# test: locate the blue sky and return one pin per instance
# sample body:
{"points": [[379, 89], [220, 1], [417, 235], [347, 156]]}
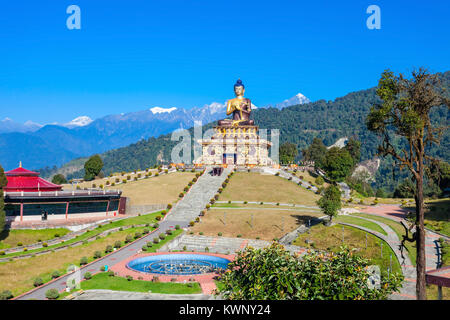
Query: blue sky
{"points": [[132, 55]]}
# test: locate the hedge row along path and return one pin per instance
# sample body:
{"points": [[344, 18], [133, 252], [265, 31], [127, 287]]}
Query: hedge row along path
{"points": [[179, 215]]}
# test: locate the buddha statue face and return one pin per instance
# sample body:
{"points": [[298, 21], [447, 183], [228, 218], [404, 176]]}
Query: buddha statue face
{"points": [[239, 91]]}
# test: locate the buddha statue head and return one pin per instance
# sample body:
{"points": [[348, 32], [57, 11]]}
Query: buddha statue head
{"points": [[239, 88]]}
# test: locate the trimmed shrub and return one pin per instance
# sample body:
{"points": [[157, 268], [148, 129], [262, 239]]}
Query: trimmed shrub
{"points": [[177, 227], [145, 231], [111, 273], [200, 233], [149, 244], [144, 248], [117, 244], [191, 223], [156, 225], [239, 235], [219, 234], [137, 235], [83, 261], [164, 212], [155, 240], [162, 236], [129, 278], [102, 268], [38, 282], [87, 275], [55, 274], [169, 206], [97, 254], [52, 294], [6, 295], [158, 218], [169, 232], [19, 244]]}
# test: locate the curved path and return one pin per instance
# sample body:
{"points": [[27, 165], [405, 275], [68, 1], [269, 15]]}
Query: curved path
{"points": [[179, 215], [432, 249], [409, 271]]}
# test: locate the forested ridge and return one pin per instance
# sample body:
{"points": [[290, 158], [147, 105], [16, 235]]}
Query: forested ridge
{"points": [[299, 124]]}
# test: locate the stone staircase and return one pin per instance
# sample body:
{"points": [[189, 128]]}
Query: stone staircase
{"points": [[188, 208]]}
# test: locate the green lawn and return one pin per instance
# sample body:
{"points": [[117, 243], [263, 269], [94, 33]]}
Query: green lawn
{"points": [[360, 222], [18, 275], [437, 215], [104, 281], [143, 219], [11, 238], [398, 229], [330, 239]]}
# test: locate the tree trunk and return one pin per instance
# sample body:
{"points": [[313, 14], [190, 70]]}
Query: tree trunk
{"points": [[420, 234]]}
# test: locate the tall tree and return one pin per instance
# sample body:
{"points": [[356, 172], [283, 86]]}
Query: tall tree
{"points": [[338, 164], [353, 147], [288, 153], [3, 183], [59, 179], [315, 152], [330, 203], [404, 114], [92, 167]]}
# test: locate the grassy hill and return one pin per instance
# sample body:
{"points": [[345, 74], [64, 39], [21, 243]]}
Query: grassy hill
{"points": [[328, 120]]}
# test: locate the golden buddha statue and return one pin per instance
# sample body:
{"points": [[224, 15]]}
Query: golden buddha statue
{"points": [[240, 107]]}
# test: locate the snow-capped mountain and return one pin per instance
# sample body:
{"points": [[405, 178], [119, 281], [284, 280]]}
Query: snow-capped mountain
{"points": [[78, 122], [297, 99], [8, 125], [55, 143], [156, 110]]}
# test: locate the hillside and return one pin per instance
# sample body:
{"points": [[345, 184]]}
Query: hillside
{"points": [[299, 124]]}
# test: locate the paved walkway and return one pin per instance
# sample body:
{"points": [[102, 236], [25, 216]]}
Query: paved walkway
{"points": [[409, 285], [177, 215], [432, 251], [127, 295], [297, 180]]}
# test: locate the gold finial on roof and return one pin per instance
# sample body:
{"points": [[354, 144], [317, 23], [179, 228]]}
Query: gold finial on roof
{"points": [[20, 164]]}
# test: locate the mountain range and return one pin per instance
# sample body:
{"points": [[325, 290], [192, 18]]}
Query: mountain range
{"points": [[39, 146], [332, 121]]}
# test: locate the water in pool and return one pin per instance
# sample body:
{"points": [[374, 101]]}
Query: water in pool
{"points": [[179, 264]]}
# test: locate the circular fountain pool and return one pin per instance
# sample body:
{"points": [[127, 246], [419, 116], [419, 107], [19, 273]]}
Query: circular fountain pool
{"points": [[179, 264]]}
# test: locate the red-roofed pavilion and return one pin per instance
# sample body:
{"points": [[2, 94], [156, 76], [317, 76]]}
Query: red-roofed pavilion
{"points": [[21, 179]]}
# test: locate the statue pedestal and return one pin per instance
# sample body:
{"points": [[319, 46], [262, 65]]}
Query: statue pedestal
{"points": [[235, 145]]}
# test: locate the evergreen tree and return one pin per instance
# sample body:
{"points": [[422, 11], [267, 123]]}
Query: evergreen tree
{"points": [[330, 203], [315, 152], [92, 167], [353, 147], [338, 164], [59, 179], [288, 153]]}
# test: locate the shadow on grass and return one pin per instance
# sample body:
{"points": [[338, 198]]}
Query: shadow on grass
{"points": [[306, 220]]}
